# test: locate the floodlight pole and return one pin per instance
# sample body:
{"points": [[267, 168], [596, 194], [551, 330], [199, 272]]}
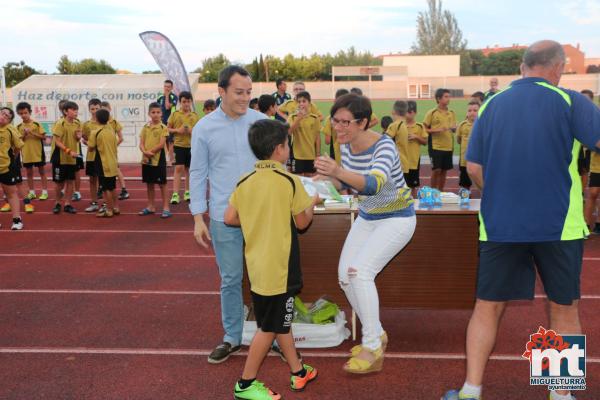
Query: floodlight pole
{"points": [[3, 86]]}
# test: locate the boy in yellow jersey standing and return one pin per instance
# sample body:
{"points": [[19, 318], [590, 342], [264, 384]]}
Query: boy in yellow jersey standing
{"points": [[291, 106], [417, 137], [305, 128], [440, 122], [397, 131], [331, 134], [10, 144], [463, 132], [153, 139], [90, 161], [118, 128], [65, 143], [33, 154], [180, 125], [104, 141], [272, 253]]}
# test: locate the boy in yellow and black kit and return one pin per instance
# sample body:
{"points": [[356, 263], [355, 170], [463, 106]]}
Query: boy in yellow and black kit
{"points": [[399, 132], [180, 124], [65, 150], [305, 128], [463, 132], [90, 160], [10, 144], [270, 193], [33, 154], [104, 142], [417, 137]]}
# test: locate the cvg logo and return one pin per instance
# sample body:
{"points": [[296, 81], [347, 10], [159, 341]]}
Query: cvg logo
{"points": [[130, 112]]}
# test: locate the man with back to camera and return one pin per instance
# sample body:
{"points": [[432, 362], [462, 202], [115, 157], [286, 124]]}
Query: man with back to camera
{"points": [[522, 153]]}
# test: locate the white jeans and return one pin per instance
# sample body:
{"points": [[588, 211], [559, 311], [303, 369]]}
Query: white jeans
{"points": [[370, 245]]}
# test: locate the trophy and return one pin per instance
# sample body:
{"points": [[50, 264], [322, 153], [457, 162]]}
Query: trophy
{"points": [[464, 198]]}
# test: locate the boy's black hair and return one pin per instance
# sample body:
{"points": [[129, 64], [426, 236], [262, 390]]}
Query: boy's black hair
{"points": [[94, 102], [265, 102], [266, 134], [104, 104], [400, 107], [10, 111], [304, 94], [185, 95], [588, 93], [70, 105], [412, 106], [279, 82], [357, 91], [168, 81], [341, 92], [474, 102], [61, 104], [152, 105], [386, 122], [102, 116], [480, 96], [253, 102], [227, 72], [359, 106], [439, 93], [210, 103], [24, 106]]}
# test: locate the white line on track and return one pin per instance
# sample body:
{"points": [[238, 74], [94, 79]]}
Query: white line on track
{"points": [[140, 292], [109, 255], [202, 352], [583, 296]]}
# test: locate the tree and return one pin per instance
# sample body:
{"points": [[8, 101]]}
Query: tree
{"points": [[155, 71], [593, 69], [65, 66], [471, 62], [504, 63], [209, 72], [85, 66], [15, 72], [438, 32]]}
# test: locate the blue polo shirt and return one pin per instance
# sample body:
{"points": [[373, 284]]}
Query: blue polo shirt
{"points": [[527, 139]]}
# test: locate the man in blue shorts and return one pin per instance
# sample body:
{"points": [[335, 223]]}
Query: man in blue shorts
{"points": [[523, 155]]}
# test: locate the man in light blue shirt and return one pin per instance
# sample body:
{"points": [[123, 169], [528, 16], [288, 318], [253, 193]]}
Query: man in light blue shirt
{"points": [[221, 154]]}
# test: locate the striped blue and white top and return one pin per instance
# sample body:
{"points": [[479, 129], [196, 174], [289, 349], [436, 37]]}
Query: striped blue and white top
{"points": [[386, 194]]}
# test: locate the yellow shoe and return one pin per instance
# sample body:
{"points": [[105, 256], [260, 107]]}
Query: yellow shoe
{"points": [[29, 208], [356, 365], [43, 196], [5, 208], [31, 196], [104, 214], [384, 342]]}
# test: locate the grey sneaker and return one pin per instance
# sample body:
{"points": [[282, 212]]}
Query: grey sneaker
{"points": [[92, 208], [222, 352]]}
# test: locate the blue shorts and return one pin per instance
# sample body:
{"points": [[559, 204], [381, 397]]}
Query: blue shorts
{"points": [[507, 271]]}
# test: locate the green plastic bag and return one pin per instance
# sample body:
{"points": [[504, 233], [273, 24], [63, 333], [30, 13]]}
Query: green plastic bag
{"points": [[321, 312]]}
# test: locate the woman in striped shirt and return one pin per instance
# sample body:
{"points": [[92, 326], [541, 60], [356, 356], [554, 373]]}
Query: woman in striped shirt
{"points": [[385, 224]]}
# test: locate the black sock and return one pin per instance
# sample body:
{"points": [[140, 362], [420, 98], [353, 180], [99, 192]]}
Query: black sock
{"points": [[16, 220], [245, 383], [26, 200], [301, 373]]}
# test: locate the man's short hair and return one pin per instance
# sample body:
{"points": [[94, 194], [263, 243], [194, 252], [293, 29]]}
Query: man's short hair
{"points": [[94, 102], [341, 92], [266, 134], [265, 102], [185, 95], [168, 81], [545, 55], [386, 121], [359, 106], [24, 106], [400, 107], [439, 93], [227, 72], [102, 116], [586, 92], [357, 91], [278, 82], [303, 95], [70, 105]]}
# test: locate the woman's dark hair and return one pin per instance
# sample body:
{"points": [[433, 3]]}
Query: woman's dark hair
{"points": [[359, 106], [266, 134]]}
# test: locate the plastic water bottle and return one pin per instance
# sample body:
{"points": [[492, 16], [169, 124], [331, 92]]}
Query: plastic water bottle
{"points": [[465, 198], [425, 199], [437, 198]]}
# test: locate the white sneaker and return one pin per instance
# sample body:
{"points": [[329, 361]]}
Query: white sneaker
{"points": [[17, 226], [92, 208]]}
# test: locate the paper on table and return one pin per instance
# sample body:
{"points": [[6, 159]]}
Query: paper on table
{"points": [[324, 188]]}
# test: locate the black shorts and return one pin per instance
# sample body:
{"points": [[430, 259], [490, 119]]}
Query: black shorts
{"points": [[583, 161], [274, 313], [79, 163], [171, 138], [15, 169], [441, 159], [594, 179], [90, 168], [154, 174], [303, 166], [61, 173], [465, 179], [8, 178], [183, 156], [507, 271], [412, 178], [34, 164], [108, 183]]}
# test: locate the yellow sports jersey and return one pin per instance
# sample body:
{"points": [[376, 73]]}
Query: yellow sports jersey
{"points": [[414, 147], [150, 136], [115, 125], [10, 141], [397, 131], [179, 119], [266, 200], [438, 119], [304, 138], [328, 130], [33, 136], [89, 127], [594, 162], [104, 141], [291, 106], [464, 132], [67, 133]]}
